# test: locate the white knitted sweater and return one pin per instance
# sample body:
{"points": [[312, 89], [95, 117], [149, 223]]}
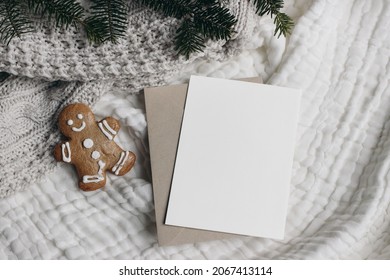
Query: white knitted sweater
{"points": [[144, 56], [31, 99]]}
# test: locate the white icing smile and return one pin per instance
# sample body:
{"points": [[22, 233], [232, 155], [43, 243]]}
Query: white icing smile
{"points": [[78, 129], [81, 127]]}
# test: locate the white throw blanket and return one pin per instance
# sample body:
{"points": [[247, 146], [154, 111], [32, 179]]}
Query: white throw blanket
{"points": [[340, 195]]}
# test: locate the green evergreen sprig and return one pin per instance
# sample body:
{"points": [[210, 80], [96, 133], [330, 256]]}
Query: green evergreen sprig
{"points": [[64, 12], [200, 19], [188, 39], [214, 21], [13, 20], [268, 6], [108, 21], [283, 23]]}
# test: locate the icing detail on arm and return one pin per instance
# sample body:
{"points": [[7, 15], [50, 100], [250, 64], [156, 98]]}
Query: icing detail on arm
{"points": [[95, 178], [118, 166], [78, 129], [66, 158], [118, 162], [123, 162], [105, 132], [108, 127]]}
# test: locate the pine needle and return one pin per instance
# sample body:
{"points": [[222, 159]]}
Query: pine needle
{"points": [[65, 12], [188, 39], [202, 19], [283, 23], [13, 21], [268, 6], [214, 22], [108, 21]]}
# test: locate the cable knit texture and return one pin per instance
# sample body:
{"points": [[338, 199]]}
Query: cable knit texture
{"points": [[28, 114], [144, 57]]}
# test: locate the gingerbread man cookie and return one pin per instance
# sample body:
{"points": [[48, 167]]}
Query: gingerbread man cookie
{"points": [[90, 147]]}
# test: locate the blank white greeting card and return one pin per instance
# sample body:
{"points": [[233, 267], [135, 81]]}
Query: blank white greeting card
{"points": [[234, 159]]}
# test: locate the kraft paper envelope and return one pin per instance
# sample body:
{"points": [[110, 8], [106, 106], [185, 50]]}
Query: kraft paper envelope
{"points": [[164, 112]]}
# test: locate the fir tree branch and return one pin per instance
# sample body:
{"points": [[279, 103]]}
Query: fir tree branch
{"points": [[13, 21], [108, 21], [283, 23], [214, 22], [188, 39], [268, 6], [202, 19], [65, 12]]}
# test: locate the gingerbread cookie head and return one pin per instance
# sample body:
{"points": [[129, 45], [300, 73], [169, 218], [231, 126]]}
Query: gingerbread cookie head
{"points": [[90, 146], [75, 119]]}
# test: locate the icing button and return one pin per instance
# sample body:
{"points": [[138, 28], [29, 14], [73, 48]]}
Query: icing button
{"points": [[88, 143], [95, 155]]}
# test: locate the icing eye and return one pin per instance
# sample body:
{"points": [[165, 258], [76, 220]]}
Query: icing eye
{"points": [[69, 122], [79, 116]]}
